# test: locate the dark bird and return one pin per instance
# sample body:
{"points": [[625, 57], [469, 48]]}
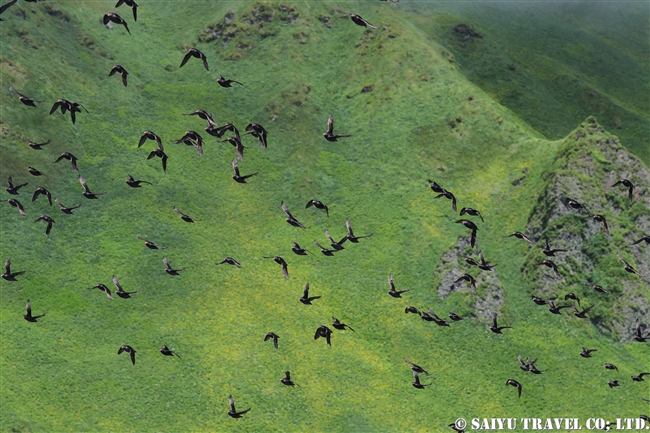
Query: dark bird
{"points": [[230, 261], [361, 22], [351, 237], [516, 384], [65, 105], [70, 157], [640, 378], [193, 52], [637, 333], [148, 135], [411, 309], [325, 251], [13, 189], [325, 332], [626, 183], [573, 296], [435, 186], [494, 328], [49, 222], [581, 314], [340, 326], [601, 219], [533, 368], [203, 115], [455, 317], [438, 320], [336, 245], [318, 205], [280, 261], [523, 365], [611, 367], [237, 177], [597, 288], [16, 203], [226, 83], [8, 275], [394, 293], [416, 381], [290, 219], [103, 288], [551, 264], [184, 217], [286, 380], [169, 269], [416, 368], [470, 225], [118, 69], [35, 172], [556, 309], [29, 316], [150, 244], [306, 299], [613, 383], [135, 183], [167, 351], [538, 301], [119, 291], [627, 267], [128, 349], [469, 279], [6, 6], [258, 132], [329, 134], [298, 250], [194, 139], [115, 18], [86, 192], [44, 192], [272, 336], [574, 204], [219, 131], [519, 235], [130, 3], [24, 99], [484, 265], [239, 147], [548, 251], [66, 210], [587, 353], [233, 412], [34, 145], [472, 212], [160, 153], [426, 317], [449, 196], [644, 238]]}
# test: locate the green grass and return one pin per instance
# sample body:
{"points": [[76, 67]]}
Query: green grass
{"points": [[63, 373]]}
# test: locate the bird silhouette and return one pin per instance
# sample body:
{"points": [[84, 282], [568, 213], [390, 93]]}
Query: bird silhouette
{"points": [[329, 134], [118, 69], [148, 135], [438, 320], [640, 378], [609, 366], [236, 142], [230, 261], [613, 383], [290, 219], [581, 314], [233, 412], [601, 219], [13, 189], [160, 153], [65, 105], [416, 368], [130, 3], [644, 238], [169, 269], [272, 336], [167, 351], [340, 326], [573, 296], [455, 317], [115, 18], [66, 210], [258, 132], [318, 205], [358, 20], [193, 52], [522, 364], [538, 301], [627, 266], [150, 244], [350, 236], [119, 291], [298, 249], [42, 191], [325, 251], [194, 139], [86, 192], [556, 309], [219, 131], [135, 183], [416, 381], [15, 203], [335, 245], [103, 288], [394, 293], [472, 212], [70, 157], [519, 235], [286, 380], [548, 251], [237, 177], [203, 115], [426, 317], [24, 99], [516, 384], [597, 288], [306, 299], [483, 265], [280, 261], [226, 83], [573, 204], [325, 332], [637, 333], [469, 279], [28, 316], [128, 349], [8, 275], [586, 353], [551, 264], [494, 328], [49, 222], [411, 309], [35, 172], [626, 183], [449, 196], [186, 218]]}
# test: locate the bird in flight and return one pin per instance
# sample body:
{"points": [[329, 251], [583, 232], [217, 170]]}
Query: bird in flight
{"points": [[65, 105], [203, 115], [494, 327], [395, 293], [258, 132], [232, 411], [637, 333], [290, 219], [548, 251], [103, 288], [86, 192], [226, 83], [551, 264], [416, 368], [298, 249], [581, 314], [472, 212], [469, 279], [130, 3], [6, 6], [119, 69], [169, 269], [644, 238], [15, 203], [329, 134], [627, 266], [336, 245], [115, 18], [28, 316], [35, 172], [66, 210], [44, 192], [601, 219], [135, 183], [626, 183], [318, 205], [34, 145], [193, 52], [167, 351], [49, 222], [516, 384], [325, 332], [13, 189], [306, 299], [70, 157], [286, 380], [350, 236], [238, 177], [586, 353], [230, 261], [184, 217], [280, 261], [8, 275], [519, 235], [449, 196], [148, 135], [325, 251], [120, 291], [128, 349], [416, 381], [272, 336], [340, 326], [24, 99]]}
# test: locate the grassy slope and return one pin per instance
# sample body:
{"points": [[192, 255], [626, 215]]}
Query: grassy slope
{"points": [[69, 377]]}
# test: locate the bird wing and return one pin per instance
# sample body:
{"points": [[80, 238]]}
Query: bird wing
{"points": [[116, 283], [235, 167], [83, 183], [185, 59], [369, 25], [285, 210], [390, 282], [330, 125], [231, 403], [204, 60], [305, 293], [494, 320], [2, 9], [349, 227], [28, 307], [166, 263], [8, 266]]}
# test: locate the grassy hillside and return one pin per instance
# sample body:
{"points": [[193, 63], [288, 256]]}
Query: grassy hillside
{"points": [[413, 116]]}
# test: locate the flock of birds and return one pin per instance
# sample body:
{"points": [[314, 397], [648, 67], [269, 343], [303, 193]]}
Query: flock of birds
{"points": [[194, 139]]}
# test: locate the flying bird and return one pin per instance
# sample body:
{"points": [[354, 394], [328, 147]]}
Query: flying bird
{"points": [[357, 19], [8, 275], [597, 288], [286, 380], [325, 332], [538, 301], [290, 219], [42, 191], [86, 192], [329, 134], [601, 219], [416, 381], [411, 309], [226, 83], [118, 69], [258, 132], [184, 217], [640, 378], [34, 145], [28, 316], [613, 383], [609, 366], [306, 299], [627, 267], [483, 265], [193, 52], [238, 177], [120, 291], [469, 279], [472, 212], [626, 183], [644, 238], [325, 251], [233, 412], [449, 196], [351, 237], [115, 18], [65, 105], [160, 153], [516, 384], [519, 235], [103, 288], [416, 368], [581, 314], [336, 245], [438, 320], [130, 3], [70, 157], [280, 261], [548, 251], [318, 205], [13, 189], [494, 328], [298, 249], [239, 147], [148, 135], [24, 99], [135, 183], [551, 264], [272, 336], [229, 261], [637, 333], [556, 309], [35, 172], [573, 296], [150, 244], [66, 210], [586, 353], [455, 317], [394, 293], [169, 269], [203, 115], [219, 131], [573, 204], [15, 203], [49, 222], [167, 351], [128, 349], [192, 138], [340, 326]]}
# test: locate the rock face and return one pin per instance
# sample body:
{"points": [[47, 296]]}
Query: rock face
{"points": [[590, 162]]}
